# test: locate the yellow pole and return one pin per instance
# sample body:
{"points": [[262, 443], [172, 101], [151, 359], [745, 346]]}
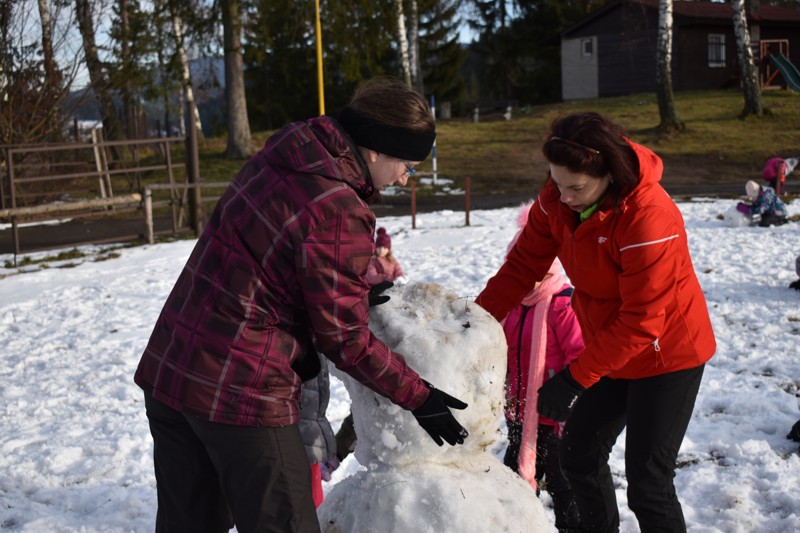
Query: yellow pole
{"points": [[320, 86]]}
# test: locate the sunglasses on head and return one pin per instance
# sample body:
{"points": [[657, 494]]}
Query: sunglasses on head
{"points": [[573, 143]]}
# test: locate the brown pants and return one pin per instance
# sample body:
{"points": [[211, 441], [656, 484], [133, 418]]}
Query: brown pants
{"points": [[211, 476]]}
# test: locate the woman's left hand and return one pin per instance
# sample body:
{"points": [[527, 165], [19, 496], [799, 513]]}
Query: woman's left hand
{"points": [[558, 395]]}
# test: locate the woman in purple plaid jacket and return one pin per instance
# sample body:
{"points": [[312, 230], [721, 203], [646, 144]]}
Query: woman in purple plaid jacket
{"points": [[278, 271]]}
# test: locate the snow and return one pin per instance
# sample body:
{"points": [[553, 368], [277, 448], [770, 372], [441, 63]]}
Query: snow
{"points": [[75, 449]]}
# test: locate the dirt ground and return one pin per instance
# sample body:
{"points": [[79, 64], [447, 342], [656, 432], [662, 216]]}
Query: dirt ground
{"points": [[683, 178]]}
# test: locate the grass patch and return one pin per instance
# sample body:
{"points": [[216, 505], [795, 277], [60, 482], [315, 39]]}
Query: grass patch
{"points": [[505, 156]]}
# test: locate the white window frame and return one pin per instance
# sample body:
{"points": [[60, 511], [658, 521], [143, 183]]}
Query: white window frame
{"points": [[587, 47], [716, 50]]}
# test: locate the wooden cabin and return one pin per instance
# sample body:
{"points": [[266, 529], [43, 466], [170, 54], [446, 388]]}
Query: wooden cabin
{"points": [[613, 50]]}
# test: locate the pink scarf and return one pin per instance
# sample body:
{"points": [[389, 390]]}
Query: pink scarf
{"points": [[539, 299]]}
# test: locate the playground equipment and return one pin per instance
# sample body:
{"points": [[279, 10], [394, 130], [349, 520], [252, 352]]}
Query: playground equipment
{"points": [[790, 73], [775, 65]]}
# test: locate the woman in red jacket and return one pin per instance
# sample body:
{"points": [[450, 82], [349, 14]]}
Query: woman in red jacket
{"points": [[647, 334], [278, 273]]}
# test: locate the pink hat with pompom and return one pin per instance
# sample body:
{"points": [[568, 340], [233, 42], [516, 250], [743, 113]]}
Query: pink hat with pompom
{"points": [[383, 240]]}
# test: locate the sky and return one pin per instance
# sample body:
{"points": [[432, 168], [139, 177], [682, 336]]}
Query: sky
{"points": [[75, 449]]}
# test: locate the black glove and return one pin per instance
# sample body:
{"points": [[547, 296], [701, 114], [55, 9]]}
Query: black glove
{"points": [[375, 296], [435, 417], [558, 395], [795, 285], [794, 434]]}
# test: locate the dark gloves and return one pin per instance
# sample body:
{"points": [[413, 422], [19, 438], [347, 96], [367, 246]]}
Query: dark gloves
{"points": [[435, 417], [558, 395], [795, 285], [794, 434], [375, 296], [743, 208]]}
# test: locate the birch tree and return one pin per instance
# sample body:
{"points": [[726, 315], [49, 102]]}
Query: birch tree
{"points": [[413, 42], [402, 41], [666, 99], [50, 67], [752, 88], [34, 84], [239, 139], [186, 77]]}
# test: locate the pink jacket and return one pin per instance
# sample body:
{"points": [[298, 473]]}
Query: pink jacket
{"points": [[381, 269], [564, 343]]}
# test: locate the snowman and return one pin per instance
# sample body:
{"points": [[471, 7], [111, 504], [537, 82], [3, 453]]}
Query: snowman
{"points": [[407, 482]]}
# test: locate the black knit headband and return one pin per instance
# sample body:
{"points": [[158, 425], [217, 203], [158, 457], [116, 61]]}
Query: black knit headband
{"points": [[401, 143]]}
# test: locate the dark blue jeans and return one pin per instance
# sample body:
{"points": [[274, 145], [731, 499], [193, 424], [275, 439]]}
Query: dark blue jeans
{"points": [[656, 411], [210, 475]]}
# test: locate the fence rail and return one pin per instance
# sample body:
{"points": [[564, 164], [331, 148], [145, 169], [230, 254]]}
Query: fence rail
{"points": [[53, 181]]}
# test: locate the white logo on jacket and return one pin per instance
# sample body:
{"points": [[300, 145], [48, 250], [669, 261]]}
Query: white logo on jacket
{"points": [[601, 240]]}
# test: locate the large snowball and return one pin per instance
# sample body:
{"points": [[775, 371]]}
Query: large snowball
{"points": [[410, 483], [733, 218]]}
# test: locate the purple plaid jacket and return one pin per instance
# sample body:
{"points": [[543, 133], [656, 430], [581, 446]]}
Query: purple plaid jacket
{"points": [[282, 260]]}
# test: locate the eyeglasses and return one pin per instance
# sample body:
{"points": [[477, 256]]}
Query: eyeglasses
{"points": [[573, 143], [409, 169]]}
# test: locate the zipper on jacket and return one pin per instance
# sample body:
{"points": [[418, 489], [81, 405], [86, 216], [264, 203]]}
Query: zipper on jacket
{"points": [[518, 415], [659, 356]]}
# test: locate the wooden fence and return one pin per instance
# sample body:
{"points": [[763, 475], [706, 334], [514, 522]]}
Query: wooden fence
{"points": [[102, 179]]}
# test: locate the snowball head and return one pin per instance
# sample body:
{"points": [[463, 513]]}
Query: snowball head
{"points": [[457, 347], [733, 218]]}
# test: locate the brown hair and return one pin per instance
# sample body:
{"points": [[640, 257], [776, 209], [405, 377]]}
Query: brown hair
{"points": [[391, 102], [589, 143]]}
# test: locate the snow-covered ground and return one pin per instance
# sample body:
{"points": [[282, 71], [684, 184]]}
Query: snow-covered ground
{"points": [[75, 450]]}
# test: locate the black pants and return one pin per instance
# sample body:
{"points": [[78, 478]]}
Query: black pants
{"points": [[771, 219], [548, 468], [210, 476], [656, 411]]}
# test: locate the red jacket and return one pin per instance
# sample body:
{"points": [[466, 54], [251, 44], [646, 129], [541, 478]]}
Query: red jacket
{"points": [[637, 298], [282, 259]]}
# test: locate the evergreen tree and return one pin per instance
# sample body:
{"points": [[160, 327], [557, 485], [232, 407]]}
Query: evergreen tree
{"points": [[441, 53], [357, 36]]}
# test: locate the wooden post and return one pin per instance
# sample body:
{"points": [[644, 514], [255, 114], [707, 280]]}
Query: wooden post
{"points": [[98, 161], [466, 198], [13, 198], [413, 203]]}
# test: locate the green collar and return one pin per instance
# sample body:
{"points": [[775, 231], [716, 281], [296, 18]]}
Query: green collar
{"points": [[589, 211]]}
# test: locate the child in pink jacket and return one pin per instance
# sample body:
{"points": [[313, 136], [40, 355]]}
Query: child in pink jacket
{"points": [[541, 332], [383, 266]]}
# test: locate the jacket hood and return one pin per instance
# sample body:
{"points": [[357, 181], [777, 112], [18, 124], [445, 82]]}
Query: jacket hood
{"points": [[321, 139], [651, 167]]}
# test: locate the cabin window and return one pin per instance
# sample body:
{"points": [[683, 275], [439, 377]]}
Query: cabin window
{"points": [[716, 50], [587, 45]]}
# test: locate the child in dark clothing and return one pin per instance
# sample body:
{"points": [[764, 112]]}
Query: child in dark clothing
{"points": [[765, 203]]}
